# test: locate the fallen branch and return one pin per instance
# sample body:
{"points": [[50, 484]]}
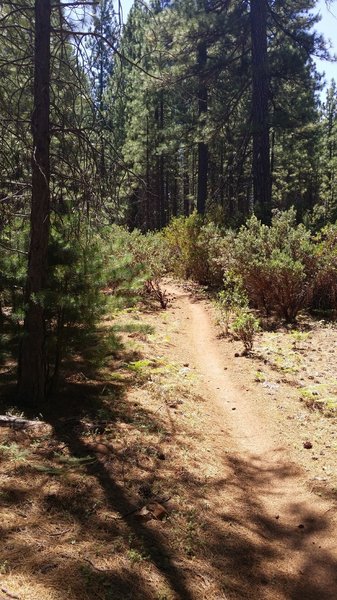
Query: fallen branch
{"points": [[19, 422], [152, 287], [58, 532], [9, 594]]}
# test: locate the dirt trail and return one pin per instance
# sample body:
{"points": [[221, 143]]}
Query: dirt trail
{"points": [[289, 532]]}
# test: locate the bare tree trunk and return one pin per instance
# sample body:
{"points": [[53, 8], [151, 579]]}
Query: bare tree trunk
{"points": [[162, 197], [202, 146], [260, 112], [32, 360]]}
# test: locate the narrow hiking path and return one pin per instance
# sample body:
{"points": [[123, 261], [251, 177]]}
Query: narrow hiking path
{"points": [[289, 534], [167, 470]]}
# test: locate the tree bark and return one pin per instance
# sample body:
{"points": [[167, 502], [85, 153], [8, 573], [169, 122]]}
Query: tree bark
{"points": [[202, 146], [260, 110], [32, 360]]}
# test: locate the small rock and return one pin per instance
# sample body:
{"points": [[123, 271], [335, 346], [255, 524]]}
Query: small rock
{"points": [[270, 385], [237, 355], [184, 370], [161, 456], [307, 445]]}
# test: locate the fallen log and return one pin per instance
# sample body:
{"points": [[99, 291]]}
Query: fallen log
{"points": [[19, 422]]}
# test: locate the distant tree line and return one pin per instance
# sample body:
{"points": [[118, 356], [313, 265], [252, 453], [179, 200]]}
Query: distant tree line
{"points": [[193, 105]]}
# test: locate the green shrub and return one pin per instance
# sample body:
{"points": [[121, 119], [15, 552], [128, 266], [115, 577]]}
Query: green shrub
{"points": [[13, 266], [213, 245], [246, 326], [231, 298], [197, 249], [277, 264], [135, 263], [187, 260], [325, 284], [73, 298]]}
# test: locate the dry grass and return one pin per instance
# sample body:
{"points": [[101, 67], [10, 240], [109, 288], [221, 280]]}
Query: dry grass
{"points": [[128, 430], [71, 494]]}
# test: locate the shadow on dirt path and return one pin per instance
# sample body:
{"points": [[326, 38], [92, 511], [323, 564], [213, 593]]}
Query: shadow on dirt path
{"points": [[253, 529]]}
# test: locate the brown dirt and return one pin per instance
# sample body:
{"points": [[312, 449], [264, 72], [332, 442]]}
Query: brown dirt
{"points": [[245, 511], [272, 499]]}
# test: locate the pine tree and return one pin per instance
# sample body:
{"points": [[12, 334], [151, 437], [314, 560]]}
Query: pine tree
{"points": [[328, 156], [32, 361]]}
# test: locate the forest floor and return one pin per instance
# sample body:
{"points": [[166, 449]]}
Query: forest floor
{"points": [[173, 468]]}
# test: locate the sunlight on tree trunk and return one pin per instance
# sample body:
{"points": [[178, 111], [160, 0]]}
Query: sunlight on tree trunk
{"points": [[32, 363]]}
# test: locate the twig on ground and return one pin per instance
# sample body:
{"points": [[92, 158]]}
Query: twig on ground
{"points": [[93, 565], [9, 594], [59, 532]]}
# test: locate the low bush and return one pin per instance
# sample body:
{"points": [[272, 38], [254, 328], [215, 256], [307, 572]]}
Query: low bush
{"points": [[246, 326], [325, 283], [197, 249], [277, 265], [135, 264], [232, 298]]}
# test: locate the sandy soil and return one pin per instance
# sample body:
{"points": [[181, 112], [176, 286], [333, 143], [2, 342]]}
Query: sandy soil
{"points": [[272, 497]]}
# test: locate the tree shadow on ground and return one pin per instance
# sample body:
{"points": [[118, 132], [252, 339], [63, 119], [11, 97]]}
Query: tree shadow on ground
{"points": [[240, 546], [265, 546], [85, 539]]}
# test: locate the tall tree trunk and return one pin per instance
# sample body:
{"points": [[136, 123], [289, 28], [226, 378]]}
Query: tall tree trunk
{"points": [[161, 198], [174, 193], [260, 114], [186, 191], [202, 146], [148, 217], [32, 360]]}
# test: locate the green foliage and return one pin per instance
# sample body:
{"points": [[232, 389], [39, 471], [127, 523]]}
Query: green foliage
{"points": [[195, 246], [276, 264], [182, 235], [14, 452], [134, 263], [73, 298], [157, 125], [328, 157], [13, 263], [246, 326], [76, 277], [325, 284], [232, 298]]}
